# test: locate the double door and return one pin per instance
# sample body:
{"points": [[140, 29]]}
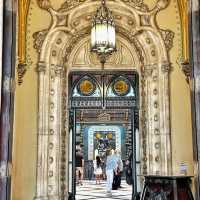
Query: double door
{"points": [[118, 118]]}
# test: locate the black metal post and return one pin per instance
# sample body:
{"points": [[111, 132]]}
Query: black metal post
{"points": [[6, 114], [195, 62], [134, 174], [74, 156]]}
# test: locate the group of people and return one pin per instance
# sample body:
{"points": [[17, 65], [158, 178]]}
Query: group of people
{"points": [[113, 170]]}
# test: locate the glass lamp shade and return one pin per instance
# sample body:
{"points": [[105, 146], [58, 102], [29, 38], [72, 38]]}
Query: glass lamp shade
{"points": [[103, 32]]}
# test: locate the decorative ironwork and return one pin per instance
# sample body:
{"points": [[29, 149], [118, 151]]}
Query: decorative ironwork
{"points": [[104, 90]]}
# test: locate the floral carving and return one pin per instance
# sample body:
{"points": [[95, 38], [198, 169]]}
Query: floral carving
{"points": [[39, 39], [187, 69], [74, 40], [168, 37], [71, 3], [44, 4], [138, 4]]}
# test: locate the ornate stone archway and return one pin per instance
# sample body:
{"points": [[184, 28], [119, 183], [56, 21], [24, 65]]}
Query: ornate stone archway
{"points": [[144, 43]]}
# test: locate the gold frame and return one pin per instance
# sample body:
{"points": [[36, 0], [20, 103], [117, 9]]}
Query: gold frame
{"points": [[23, 8], [184, 17]]}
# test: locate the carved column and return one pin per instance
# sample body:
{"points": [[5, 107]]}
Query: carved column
{"points": [[43, 132], [165, 133], [50, 125], [143, 119], [155, 126], [152, 122], [55, 138]]}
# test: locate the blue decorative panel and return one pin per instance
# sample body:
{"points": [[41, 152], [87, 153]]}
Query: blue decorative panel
{"points": [[97, 135]]}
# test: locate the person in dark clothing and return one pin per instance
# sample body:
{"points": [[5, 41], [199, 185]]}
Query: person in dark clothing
{"points": [[79, 167], [128, 170], [118, 171]]}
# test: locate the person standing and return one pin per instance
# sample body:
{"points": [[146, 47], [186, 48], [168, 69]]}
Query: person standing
{"points": [[118, 171], [128, 169], [111, 166], [97, 169], [79, 167]]}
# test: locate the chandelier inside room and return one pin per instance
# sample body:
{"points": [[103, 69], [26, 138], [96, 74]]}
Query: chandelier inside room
{"points": [[103, 39]]}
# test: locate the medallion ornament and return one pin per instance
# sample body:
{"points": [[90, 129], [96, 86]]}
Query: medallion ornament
{"points": [[121, 87], [86, 87]]}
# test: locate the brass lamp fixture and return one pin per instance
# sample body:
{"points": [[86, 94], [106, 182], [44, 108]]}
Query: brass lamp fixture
{"points": [[103, 39]]}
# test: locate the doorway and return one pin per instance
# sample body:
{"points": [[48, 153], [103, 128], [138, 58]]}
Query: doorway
{"points": [[103, 115]]}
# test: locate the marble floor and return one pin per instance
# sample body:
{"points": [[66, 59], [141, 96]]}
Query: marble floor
{"points": [[90, 191]]}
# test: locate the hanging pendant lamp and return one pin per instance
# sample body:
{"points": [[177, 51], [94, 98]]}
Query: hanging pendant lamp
{"points": [[103, 39]]}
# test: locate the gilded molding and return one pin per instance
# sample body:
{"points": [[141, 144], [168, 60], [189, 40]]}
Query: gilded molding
{"points": [[23, 8], [184, 16]]}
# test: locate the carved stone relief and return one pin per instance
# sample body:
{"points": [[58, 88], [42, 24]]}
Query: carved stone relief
{"points": [[81, 56], [58, 50]]}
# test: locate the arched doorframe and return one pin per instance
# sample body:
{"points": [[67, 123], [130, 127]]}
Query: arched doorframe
{"points": [[149, 46]]}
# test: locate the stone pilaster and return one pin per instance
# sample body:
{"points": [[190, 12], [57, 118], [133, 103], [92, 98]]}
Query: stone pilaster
{"points": [[156, 130], [43, 131], [50, 133], [165, 133]]}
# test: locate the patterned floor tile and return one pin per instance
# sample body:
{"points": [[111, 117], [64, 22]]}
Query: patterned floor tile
{"points": [[90, 191]]}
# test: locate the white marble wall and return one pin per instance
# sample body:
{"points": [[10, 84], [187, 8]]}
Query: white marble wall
{"points": [[1, 34]]}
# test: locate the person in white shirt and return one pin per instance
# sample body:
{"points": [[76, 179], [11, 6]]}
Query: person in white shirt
{"points": [[97, 169], [111, 166]]}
